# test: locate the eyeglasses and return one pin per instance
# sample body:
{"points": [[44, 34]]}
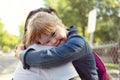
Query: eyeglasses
{"points": [[46, 39]]}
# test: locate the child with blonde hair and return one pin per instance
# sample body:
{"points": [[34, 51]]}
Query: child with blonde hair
{"points": [[38, 26]]}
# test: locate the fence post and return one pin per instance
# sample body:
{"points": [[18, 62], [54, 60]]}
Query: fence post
{"points": [[119, 59]]}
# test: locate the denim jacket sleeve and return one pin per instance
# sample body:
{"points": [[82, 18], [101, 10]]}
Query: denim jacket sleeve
{"points": [[72, 50]]}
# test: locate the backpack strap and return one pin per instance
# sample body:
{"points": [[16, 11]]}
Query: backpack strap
{"points": [[101, 67]]}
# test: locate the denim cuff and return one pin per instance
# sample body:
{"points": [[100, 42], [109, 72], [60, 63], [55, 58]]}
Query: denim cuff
{"points": [[23, 59]]}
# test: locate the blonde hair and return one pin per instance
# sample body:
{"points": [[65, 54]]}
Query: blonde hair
{"points": [[40, 23]]}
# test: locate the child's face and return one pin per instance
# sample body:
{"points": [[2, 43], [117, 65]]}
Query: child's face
{"points": [[58, 36]]}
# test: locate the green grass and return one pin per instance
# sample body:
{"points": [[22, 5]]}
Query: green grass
{"points": [[112, 66]]}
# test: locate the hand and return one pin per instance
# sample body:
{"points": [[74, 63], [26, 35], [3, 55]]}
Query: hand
{"points": [[18, 50]]}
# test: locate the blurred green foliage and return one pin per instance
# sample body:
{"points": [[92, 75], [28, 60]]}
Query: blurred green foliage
{"points": [[21, 31], [112, 66], [7, 41]]}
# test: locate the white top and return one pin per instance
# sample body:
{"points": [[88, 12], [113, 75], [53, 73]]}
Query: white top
{"points": [[64, 72]]}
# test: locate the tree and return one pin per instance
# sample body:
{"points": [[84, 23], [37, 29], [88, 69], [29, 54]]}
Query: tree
{"points": [[7, 41], [21, 30], [1, 31], [108, 28]]}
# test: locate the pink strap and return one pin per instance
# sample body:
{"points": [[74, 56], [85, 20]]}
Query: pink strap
{"points": [[101, 67]]}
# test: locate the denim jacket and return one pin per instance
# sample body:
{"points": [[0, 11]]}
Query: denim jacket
{"points": [[75, 49]]}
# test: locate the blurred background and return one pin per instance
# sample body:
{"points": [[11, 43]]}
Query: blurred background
{"points": [[97, 20]]}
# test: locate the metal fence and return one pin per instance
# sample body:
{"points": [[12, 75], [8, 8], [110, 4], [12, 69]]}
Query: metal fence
{"points": [[110, 54]]}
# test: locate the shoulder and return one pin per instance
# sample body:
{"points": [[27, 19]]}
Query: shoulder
{"points": [[39, 47]]}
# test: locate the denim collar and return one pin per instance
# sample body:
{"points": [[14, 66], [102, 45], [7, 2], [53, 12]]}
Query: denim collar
{"points": [[71, 30]]}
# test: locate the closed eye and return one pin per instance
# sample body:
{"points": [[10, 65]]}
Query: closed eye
{"points": [[53, 34]]}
